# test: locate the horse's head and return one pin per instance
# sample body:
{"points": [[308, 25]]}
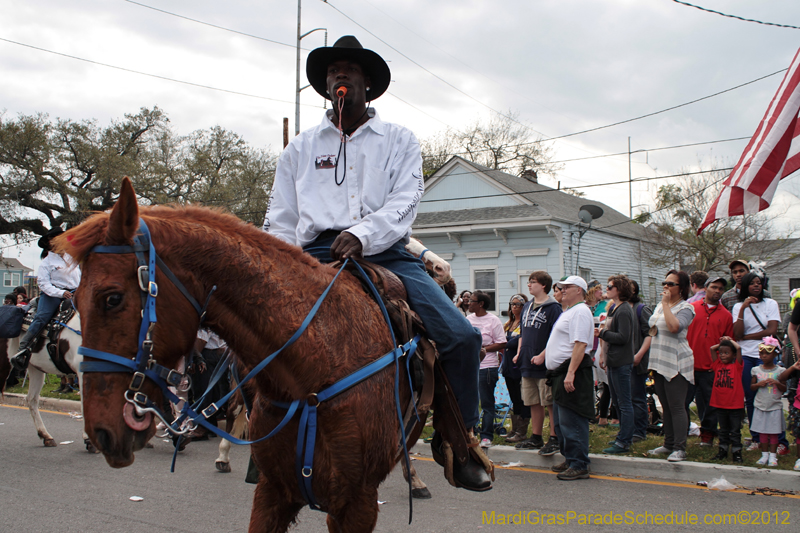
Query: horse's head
{"points": [[109, 300]]}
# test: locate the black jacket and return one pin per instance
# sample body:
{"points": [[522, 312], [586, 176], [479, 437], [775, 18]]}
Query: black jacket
{"points": [[581, 400]]}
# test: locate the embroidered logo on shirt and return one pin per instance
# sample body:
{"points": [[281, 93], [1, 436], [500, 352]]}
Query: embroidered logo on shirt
{"points": [[325, 161]]}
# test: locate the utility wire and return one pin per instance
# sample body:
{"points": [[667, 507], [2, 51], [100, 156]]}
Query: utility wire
{"points": [[211, 25], [737, 17], [673, 204], [639, 150], [634, 180], [450, 84], [153, 75], [431, 73]]}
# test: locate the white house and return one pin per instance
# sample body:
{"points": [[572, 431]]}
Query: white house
{"points": [[496, 228]]}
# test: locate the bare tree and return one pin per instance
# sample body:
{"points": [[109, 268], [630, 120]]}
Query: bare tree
{"points": [[501, 143], [681, 207]]}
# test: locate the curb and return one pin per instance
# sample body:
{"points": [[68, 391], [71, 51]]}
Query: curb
{"points": [[51, 404], [688, 472]]}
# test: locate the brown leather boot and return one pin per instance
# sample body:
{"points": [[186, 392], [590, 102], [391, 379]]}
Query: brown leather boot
{"points": [[519, 429]]}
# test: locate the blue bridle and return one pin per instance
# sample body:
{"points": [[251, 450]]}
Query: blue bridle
{"points": [[144, 366]]}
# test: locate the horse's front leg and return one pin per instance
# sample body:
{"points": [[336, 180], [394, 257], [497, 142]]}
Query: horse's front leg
{"points": [[271, 514], [359, 516], [35, 383]]}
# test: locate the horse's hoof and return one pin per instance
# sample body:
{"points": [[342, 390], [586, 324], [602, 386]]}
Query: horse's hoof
{"points": [[226, 468], [91, 447], [50, 443], [421, 494]]}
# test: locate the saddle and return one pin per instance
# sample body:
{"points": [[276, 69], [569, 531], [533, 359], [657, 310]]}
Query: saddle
{"points": [[51, 333], [430, 387]]}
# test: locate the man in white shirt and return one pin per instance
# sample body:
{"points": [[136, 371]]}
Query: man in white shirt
{"points": [[350, 187], [58, 277], [569, 369]]}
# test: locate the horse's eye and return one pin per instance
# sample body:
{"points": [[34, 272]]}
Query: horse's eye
{"points": [[112, 301]]}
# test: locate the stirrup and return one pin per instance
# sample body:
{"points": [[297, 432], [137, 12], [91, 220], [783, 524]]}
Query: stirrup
{"points": [[21, 359]]}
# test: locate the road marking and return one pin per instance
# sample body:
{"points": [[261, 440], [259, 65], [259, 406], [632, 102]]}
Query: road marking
{"points": [[40, 410], [629, 480]]}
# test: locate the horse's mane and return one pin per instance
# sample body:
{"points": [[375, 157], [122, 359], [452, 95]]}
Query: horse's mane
{"points": [[171, 223]]}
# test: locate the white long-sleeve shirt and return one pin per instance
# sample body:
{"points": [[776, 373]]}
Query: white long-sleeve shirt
{"points": [[377, 202], [57, 274]]}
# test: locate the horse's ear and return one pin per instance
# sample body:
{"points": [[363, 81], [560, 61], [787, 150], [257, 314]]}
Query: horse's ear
{"points": [[124, 219]]}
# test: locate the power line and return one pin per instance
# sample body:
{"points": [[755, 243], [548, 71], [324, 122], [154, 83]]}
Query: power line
{"points": [[431, 73], [157, 76], [640, 150], [736, 17], [211, 25], [445, 81], [680, 200]]}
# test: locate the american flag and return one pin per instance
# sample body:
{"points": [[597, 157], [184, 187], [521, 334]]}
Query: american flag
{"points": [[772, 154]]}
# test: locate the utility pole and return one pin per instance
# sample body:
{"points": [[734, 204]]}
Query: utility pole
{"points": [[630, 181], [300, 37]]}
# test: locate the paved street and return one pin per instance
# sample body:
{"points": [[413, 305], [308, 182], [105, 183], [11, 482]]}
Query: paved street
{"points": [[67, 489]]}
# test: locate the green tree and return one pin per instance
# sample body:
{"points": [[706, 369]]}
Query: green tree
{"points": [[55, 173]]}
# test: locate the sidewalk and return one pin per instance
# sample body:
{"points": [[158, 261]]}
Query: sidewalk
{"points": [[45, 403], [629, 467], [642, 468]]}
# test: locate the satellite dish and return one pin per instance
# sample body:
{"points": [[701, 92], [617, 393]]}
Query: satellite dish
{"points": [[589, 212]]}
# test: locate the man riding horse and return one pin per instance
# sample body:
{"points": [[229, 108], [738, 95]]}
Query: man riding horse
{"points": [[349, 188]]}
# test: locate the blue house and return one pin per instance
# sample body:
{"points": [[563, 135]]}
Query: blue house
{"points": [[14, 274], [495, 229]]}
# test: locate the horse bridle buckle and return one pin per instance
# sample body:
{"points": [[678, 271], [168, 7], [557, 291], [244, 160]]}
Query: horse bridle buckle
{"points": [[137, 381]]}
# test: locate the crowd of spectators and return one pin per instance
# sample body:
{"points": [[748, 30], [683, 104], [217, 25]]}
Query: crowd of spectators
{"points": [[584, 355]]}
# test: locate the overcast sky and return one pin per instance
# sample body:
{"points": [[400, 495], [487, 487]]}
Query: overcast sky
{"points": [[563, 65]]}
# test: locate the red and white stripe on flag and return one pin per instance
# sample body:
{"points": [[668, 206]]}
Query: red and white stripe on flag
{"points": [[772, 154]]}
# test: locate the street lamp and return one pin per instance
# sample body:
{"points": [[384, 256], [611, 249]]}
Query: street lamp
{"points": [[300, 37], [586, 215]]}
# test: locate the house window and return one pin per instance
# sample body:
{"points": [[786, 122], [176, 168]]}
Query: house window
{"points": [[485, 279], [8, 280], [794, 283], [586, 274]]}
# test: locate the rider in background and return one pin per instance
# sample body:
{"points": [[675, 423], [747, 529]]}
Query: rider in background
{"points": [[58, 278]]}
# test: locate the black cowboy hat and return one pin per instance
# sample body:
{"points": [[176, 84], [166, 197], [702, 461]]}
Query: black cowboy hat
{"points": [[347, 48], [44, 241]]}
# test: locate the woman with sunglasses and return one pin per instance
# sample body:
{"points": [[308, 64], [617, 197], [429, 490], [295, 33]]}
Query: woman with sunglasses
{"points": [[673, 361], [511, 372], [754, 318]]}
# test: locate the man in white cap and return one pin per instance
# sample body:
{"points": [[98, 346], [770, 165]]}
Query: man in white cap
{"points": [[349, 188], [569, 368]]}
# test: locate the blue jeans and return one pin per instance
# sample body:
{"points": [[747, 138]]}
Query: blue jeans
{"points": [[641, 415], [458, 343], [46, 309], [701, 391], [573, 437], [620, 380], [487, 381]]}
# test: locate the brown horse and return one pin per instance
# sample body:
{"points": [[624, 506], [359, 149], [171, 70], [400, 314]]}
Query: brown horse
{"points": [[267, 288]]}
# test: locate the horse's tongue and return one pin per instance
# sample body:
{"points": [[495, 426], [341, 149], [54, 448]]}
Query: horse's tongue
{"points": [[136, 423]]}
